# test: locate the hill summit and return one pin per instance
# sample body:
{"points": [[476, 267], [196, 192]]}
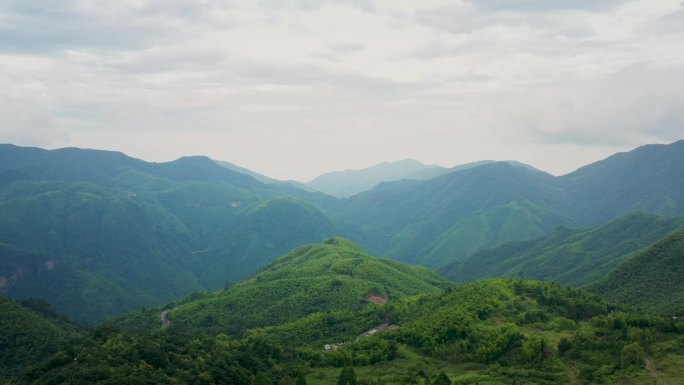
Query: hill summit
{"points": [[332, 275]]}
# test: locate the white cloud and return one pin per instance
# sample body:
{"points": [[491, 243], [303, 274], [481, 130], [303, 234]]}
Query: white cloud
{"points": [[295, 88]]}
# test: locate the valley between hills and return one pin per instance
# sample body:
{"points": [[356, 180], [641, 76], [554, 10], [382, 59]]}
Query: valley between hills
{"points": [[114, 270]]}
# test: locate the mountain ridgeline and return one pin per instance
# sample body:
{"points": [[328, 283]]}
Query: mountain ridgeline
{"points": [[573, 257], [98, 233], [450, 217]]}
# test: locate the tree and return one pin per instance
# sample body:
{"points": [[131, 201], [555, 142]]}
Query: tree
{"points": [[301, 380], [632, 355], [261, 379], [347, 376], [442, 379]]}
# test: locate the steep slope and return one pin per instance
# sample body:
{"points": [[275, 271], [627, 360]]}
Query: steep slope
{"points": [[27, 336], [97, 233], [333, 275], [571, 257], [449, 217], [351, 182], [260, 177], [649, 178], [652, 279], [259, 234]]}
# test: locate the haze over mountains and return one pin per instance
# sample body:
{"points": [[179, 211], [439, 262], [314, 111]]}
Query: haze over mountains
{"points": [[97, 233], [200, 271]]}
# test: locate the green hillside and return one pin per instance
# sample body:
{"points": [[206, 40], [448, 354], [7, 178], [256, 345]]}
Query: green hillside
{"points": [[448, 218], [571, 257], [649, 178], [451, 216], [333, 275], [97, 233], [490, 332], [652, 280], [29, 333]]}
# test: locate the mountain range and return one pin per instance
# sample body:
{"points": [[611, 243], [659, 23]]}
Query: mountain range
{"points": [[98, 233], [329, 312], [573, 257]]}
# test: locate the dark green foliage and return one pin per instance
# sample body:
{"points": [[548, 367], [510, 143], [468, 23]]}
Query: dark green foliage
{"points": [[571, 257], [28, 336], [448, 218], [451, 216], [632, 355], [97, 233], [649, 178], [347, 376], [652, 280], [301, 379], [441, 379]]}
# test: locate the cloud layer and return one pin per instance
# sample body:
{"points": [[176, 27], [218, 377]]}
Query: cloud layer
{"points": [[296, 88]]}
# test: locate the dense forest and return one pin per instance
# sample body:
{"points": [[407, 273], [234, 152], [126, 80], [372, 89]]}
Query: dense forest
{"points": [[98, 233], [196, 272], [493, 332]]}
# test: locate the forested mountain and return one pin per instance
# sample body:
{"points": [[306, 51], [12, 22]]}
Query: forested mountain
{"points": [[30, 332], [346, 183], [97, 233], [333, 275], [652, 280], [448, 218], [570, 256], [490, 332], [649, 178]]}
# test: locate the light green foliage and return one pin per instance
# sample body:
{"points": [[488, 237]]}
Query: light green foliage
{"points": [[334, 275]]}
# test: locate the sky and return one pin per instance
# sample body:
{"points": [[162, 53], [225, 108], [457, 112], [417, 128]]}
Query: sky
{"points": [[292, 89]]}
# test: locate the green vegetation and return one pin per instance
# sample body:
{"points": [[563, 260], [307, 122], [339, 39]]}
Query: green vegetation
{"points": [[331, 276], [570, 257], [29, 334], [97, 233], [449, 218], [490, 332], [652, 280]]}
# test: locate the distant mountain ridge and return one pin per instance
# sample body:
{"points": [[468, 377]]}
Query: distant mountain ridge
{"points": [[448, 218], [344, 184], [573, 257], [96, 233]]}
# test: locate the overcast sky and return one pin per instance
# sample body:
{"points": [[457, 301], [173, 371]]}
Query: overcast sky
{"points": [[292, 89]]}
